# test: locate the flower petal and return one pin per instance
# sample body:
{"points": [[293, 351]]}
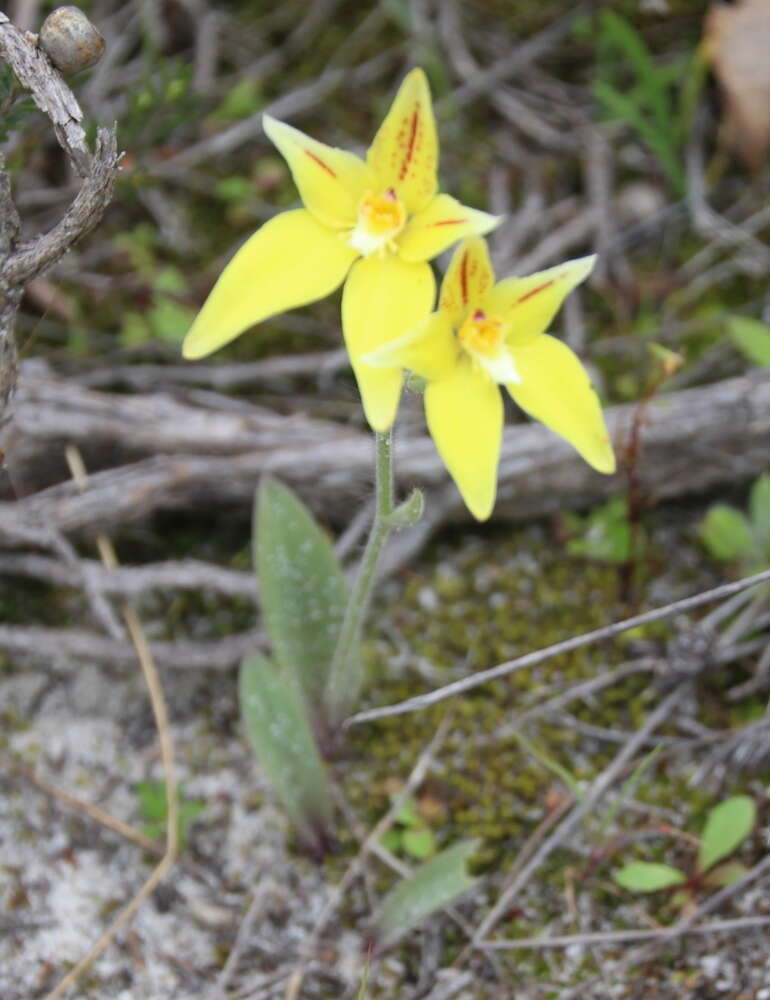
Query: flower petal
{"points": [[555, 390], [465, 419], [468, 278], [331, 181], [439, 225], [429, 350], [384, 298], [404, 153], [530, 303], [290, 261]]}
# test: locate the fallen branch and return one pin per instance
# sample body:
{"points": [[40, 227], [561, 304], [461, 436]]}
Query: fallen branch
{"points": [[207, 459]]}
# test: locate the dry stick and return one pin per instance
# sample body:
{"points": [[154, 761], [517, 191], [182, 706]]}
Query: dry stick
{"points": [[256, 906], [592, 797], [615, 937], [166, 863], [95, 812], [566, 646], [414, 780], [687, 925]]}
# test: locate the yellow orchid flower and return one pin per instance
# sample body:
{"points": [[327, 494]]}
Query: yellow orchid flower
{"points": [[484, 335], [376, 222]]}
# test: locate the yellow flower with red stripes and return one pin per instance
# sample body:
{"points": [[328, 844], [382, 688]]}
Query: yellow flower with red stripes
{"points": [[485, 335], [373, 224]]}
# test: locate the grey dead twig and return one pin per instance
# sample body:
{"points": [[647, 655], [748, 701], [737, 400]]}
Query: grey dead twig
{"points": [[599, 787], [604, 633], [23, 260]]}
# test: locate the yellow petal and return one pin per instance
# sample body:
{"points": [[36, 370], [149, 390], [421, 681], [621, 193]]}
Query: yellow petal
{"points": [[442, 223], [384, 298], [404, 153], [468, 278], [465, 419], [555, 390], [331, 181], [530, 303], [430, 350], [290, 261]]}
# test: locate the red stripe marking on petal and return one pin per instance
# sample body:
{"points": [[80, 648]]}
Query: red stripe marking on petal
{"points": [[446, 222], [534, 291], [410, 143], [464, 278], [320, 162]]}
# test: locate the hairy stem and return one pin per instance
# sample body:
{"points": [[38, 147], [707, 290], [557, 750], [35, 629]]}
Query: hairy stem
{"points": [[345, 673]]}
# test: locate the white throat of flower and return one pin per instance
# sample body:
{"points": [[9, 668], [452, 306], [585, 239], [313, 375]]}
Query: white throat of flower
{"points": [[381, 217], [483, 338]]}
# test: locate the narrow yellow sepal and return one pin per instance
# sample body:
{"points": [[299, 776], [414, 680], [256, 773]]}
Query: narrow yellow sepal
{"points": [[290, 261], [429, 350], [443, 222], [468, 278], [330, 181], [404, 153], [555, 389], [465, 420], [383, 299], [529, 304]]}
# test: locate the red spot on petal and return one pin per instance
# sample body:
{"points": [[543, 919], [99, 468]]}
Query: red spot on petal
{"points": [[479, 315], [535, 291], [410, 143], [320, 162]]}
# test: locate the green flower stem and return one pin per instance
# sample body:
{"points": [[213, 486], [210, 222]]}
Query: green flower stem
{"points": [[345, 672]]}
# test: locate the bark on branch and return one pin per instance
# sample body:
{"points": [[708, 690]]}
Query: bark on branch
{"points": [[171, 455], [22, 261]]}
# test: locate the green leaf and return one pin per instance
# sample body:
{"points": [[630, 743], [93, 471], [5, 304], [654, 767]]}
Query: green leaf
{"points": [[759, 507], [430, 887], [727, 826], [629, 787], [169, 320], [607, 534], [407, 814], [752, 338], [726, 533], [280, 733], [725, 874], [553, 766], [648, 876], [152, 808], [419, 843], [303, 591]]}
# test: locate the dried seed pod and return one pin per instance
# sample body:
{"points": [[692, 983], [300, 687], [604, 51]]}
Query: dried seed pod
{"points": [[70, 41]]}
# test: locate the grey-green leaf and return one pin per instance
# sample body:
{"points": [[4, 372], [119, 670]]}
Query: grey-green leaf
{"points": [[752, 338], [433, 885], [759, 506], [303, 591], [647, 876], [278, 729], [727, 826], [726, 533]]}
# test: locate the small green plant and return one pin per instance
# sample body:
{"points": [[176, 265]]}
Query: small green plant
{"points": [[14, 108], [752, 338], [727, 826], [604, 534], [655, 100], [411, 833], [734, 537], [165, 318], [152, 809], [159, 105]]}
